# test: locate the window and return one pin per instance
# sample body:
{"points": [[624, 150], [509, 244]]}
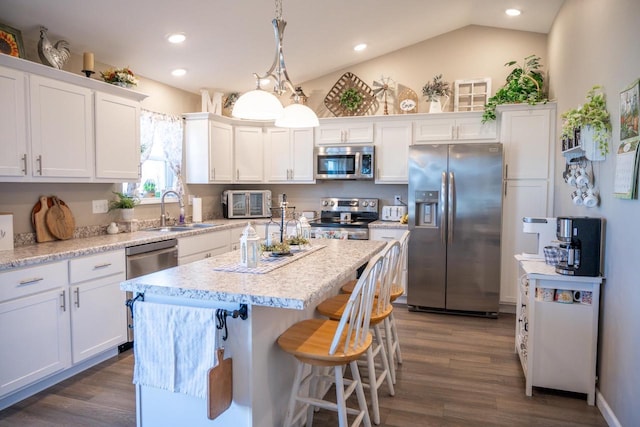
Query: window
{"points": [[160, 156]]}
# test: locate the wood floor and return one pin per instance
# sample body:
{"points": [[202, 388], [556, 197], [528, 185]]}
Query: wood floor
{"points": [[457, 371]]}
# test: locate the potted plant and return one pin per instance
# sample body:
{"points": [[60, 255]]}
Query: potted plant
{"points": [[149, 188], [525, 83], [125, 204], [591, 120], [434, 90]]}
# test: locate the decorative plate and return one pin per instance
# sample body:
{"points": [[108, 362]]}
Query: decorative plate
{"points": [[350, 96]]}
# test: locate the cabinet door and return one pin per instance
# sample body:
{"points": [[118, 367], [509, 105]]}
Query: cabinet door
{"points": [[392, 152], [433, 130], [13, 122], [330, 132], [359, 132], [522, 198], [117, 137], [220, 153], [526, 135], [98, 316], [61, 129], [35, 338], [248, 154], [277, 155], [472, 128], [302, 155]]}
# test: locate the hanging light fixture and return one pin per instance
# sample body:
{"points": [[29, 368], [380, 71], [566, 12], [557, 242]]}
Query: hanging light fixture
{"points": [[259, 104]]}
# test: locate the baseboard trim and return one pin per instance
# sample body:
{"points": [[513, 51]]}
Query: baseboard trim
{"points": [[606, 411]]}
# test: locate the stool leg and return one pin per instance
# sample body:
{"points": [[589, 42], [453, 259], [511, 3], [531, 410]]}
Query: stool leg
{"points": [[294, 394], [388, 336], [313, 391], [362, 401], [340, 400], [396, 339], [373, 389], [385, 361]]}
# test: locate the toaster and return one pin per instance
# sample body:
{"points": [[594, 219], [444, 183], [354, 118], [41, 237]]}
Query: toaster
{"points": [[393, 213]]}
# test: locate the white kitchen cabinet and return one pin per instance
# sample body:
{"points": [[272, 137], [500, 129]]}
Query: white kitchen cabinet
{"points": [[336, 131], [527, 134], [98, 310], [117, 137], [208, 149], [454, 127], [248, 154], [520, 198], [557, 342], [387, 234], [392, 142], [202, 246], [289, 155], [34, 314], [62, 141], [13, 122]]}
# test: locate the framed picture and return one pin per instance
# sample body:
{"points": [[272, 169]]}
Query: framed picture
{"points": [[629, 99], [11, 41]]}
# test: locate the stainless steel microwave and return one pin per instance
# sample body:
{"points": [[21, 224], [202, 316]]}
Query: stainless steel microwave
{"points": [[344, 162], [246, 204]]}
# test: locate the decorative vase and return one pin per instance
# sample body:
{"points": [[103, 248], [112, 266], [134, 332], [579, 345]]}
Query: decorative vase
{"points": [[435, 106], [126, 214], [123, 84]]}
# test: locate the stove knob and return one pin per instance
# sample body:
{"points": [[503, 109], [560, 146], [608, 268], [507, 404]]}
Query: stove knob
{"points": [[333, 203], [372, 203], [325, 203], [365, 204]]}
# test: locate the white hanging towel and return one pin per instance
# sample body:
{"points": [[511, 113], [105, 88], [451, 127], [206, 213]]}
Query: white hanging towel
{"points": [[174, 347]]}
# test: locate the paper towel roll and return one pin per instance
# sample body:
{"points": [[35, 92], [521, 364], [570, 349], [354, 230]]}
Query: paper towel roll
{"points": [[197, 209]]}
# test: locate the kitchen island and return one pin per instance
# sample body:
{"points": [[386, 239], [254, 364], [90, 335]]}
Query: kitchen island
{"points": [[262, 373]]}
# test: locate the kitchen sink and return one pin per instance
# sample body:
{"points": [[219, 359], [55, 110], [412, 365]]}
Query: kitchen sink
{"points": [[184, 227]]}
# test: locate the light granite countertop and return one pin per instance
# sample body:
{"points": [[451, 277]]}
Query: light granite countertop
{"points": [[64, 249], [295, 285], [388, 224]]}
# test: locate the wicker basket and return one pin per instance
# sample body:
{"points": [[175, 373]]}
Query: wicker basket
{"points": [[346, 82]]}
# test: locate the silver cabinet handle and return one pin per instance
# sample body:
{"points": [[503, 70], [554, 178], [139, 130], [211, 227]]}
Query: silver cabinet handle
{"points": [[452, 198], [99, 266], [24, 163], [139, 170], [213, 173], [31, 281], [77, 292], [506, 171], [443, 191], [237, 174], [63, 306], [39, 160]]}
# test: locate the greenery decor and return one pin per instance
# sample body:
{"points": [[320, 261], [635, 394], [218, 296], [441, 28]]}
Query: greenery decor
{"points": [[123, 201], [525, 83], [592, 113], [351, 99], [436, 88], [121, 76], [149, 186]]}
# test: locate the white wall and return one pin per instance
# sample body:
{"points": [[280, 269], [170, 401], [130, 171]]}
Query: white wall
{"points": [[596, 42]]}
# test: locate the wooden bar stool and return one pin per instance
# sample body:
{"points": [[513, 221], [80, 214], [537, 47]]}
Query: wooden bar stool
{"points": [[334, 308], [335, 344], [391, 332]]}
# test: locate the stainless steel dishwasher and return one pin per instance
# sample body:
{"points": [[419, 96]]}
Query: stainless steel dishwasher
{"points": [[145, 259]]}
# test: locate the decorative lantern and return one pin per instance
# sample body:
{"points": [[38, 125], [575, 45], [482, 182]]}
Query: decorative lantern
{"points": [[249, 244], [305, 228]]}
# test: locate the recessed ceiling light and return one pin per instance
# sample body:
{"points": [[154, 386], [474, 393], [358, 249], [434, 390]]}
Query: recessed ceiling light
{"points": [[512, 12], [359, 47], [178, 72], [176, 38]]}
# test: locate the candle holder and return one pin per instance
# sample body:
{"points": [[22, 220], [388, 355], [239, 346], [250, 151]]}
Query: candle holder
{"points": [[88, 72]]}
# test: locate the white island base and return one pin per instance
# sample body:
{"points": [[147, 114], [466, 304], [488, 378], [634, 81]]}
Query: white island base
{"points": [[262, 373]]}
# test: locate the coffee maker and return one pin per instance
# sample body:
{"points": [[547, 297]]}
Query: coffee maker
{"points": [[581, 237]]}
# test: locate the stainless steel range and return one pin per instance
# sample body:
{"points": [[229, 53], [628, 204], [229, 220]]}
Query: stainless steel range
{"points": [[345, 218]]}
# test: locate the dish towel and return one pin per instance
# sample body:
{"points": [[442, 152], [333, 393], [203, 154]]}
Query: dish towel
{"points": [[174, 347]]}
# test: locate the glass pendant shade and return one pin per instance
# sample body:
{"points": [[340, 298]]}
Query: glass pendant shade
{"points": [[257, 105], [297, 116]]}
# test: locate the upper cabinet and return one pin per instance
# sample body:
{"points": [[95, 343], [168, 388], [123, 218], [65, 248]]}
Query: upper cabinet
{"points": [[209, 149], [289, 155], [392, 142], [248, 154], [65, 127], [454, 127], [336, 131]]}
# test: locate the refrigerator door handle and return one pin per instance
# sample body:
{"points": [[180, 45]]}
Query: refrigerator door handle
{"points": [[443, 191], [451, 208]]}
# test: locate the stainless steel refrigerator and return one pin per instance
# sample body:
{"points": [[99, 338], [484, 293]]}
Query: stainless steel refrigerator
{"points": [[455, 216]]}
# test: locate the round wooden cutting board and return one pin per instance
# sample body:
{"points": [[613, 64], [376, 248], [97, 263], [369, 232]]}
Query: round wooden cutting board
{"points": [[59, 219]]}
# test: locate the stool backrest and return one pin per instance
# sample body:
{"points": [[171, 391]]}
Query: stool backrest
{"points": [[357, 313], [391, 256], [402, 261]]}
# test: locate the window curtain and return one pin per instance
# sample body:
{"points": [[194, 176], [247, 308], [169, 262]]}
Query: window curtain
{"points": [[166, 130]]}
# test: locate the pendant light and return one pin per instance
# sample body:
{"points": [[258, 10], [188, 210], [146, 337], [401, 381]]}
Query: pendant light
{"points": [[259, 104]]}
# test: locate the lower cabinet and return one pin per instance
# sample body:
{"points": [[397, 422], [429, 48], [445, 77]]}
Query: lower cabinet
{"points": [[202, 246], [392, 234]]}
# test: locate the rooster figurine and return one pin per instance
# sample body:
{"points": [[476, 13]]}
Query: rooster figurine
{"points": [[50, 54]]}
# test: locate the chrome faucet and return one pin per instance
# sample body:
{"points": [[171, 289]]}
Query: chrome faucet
{"points": [[163, 216]]}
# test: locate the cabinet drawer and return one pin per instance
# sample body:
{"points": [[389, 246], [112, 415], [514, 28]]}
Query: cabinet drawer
{"points": [[31, 280], [202, 243], [96, 266], [386, 233]]}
